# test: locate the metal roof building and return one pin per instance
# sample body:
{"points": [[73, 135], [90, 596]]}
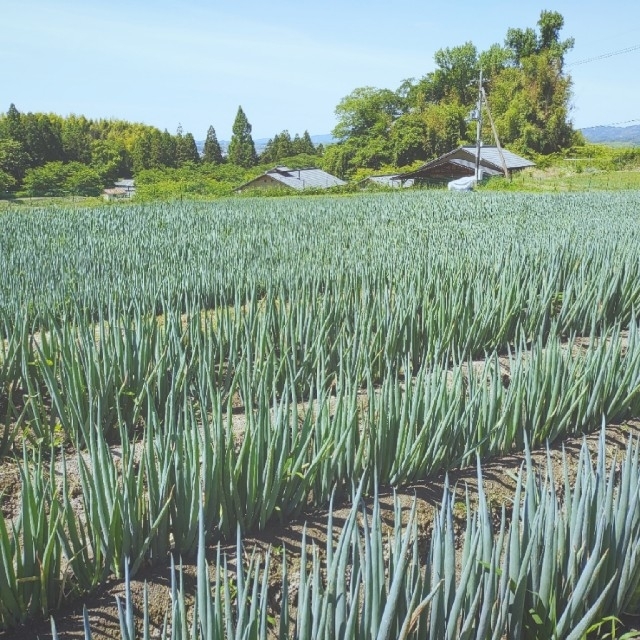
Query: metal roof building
{"points": [[297, 179], [389, 180], [461, 163]]}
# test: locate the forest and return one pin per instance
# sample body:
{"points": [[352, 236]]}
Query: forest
{"points": [[525, 80]]}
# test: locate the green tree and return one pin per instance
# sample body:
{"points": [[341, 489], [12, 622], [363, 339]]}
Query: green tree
{"points": [[446, 127], [367, 111], [7, 182], [13, 159], [109, 159], [212, 152], [337, 159], [531, 98], [11, 125], [242, 150], [166, 155], [409, 139], [76, 139], [523, 43], [42, 138], [82, 180], [47, 180], [365, 118], [141, 152], [303, 144], [186, 149], [531, 106], [279, 147], [453, 79]]}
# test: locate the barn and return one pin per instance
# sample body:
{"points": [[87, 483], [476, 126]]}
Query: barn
{"points": [[297, 179], [461, 163]]}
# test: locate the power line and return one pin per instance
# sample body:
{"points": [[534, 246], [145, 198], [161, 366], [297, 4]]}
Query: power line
{"points": [[604, 55], [612, 124]]}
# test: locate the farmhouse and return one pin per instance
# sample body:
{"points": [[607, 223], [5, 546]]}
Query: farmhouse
{"points": [[461, 163], [297, 179], [123, 188], [114, 194]]}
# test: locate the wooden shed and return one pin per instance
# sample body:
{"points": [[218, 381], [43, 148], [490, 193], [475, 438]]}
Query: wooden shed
{"points": [[461, 162]]}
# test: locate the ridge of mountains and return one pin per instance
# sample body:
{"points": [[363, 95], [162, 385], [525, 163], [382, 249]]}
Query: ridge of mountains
{"points": [[613, 135]]}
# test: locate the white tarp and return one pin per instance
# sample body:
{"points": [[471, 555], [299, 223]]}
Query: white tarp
{"points": [[462, 184]]}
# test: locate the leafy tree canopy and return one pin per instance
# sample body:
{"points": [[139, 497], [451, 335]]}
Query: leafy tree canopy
{"points": [[242, 150], [212, 152], [111, 148]]}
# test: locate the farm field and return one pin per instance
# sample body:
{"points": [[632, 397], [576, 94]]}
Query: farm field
{"points": [[190, 380]]}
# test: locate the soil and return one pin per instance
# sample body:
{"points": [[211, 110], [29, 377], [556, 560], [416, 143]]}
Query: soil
{"points": [[499, 476], [499, 480]]}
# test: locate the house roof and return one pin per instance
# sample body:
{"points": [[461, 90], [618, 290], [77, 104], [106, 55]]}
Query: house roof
{"points": [[388, 180], [299, 179], [125, 183], [463, 159]]}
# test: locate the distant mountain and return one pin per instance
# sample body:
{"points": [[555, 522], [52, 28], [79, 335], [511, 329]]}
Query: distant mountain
{"points": [[613, 135], [324, 139], [260, 143]]}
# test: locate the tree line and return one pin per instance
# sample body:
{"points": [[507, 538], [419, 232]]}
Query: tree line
{"points": [[47, 154], [524, 78]]}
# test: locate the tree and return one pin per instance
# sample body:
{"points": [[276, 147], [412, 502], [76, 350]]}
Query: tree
{"points": [[82, 180], [42, 138], [242, 150], [531, 105], [109, 159], [530, 99], [212, 152], [7, 182], [13, 159], [528, 91], [47, 180], [278, 147], [365, 118], [456, 71], [409, 138], [141, 152], [186, 149], [167, 150], [521, 43], [76, 139], [366, 112], [525, 43], [303, 144], [12, 125]]}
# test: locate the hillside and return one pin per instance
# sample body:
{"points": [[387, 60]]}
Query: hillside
{"points": [[613, 135]]}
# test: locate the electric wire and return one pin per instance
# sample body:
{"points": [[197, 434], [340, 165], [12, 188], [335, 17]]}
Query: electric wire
{"points": [[603, 56]]}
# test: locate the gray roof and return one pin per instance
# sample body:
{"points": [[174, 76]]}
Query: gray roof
{"points": [[300, 179], [389, 180], [492, 155], [465, 157], [125, 183]]}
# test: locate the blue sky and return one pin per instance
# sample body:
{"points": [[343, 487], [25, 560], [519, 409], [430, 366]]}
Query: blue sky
{"points": [[288, 63]]}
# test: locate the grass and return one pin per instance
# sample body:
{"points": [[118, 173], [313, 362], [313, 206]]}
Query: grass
{"points": [[8, 204], [560, 179]]}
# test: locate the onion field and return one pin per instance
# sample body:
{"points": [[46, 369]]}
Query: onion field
{"points": [[176, 377]]}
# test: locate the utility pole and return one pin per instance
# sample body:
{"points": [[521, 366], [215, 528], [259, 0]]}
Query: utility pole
{"points": [[479, 129], [495, 135]]}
